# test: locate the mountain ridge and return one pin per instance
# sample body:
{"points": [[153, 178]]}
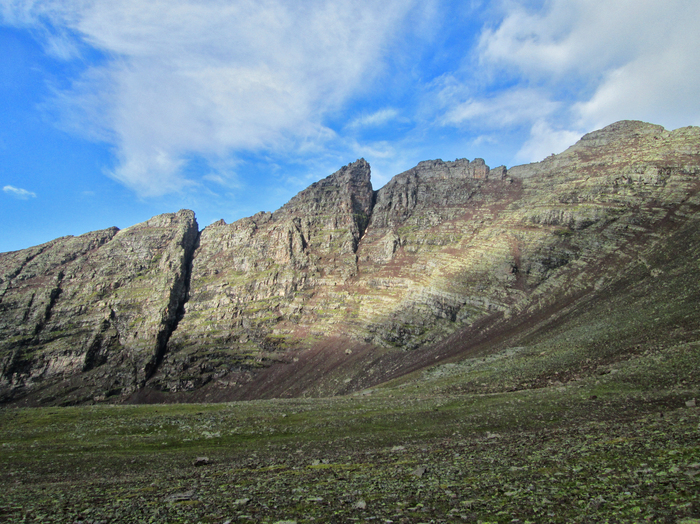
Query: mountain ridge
{"points": [[343, 287]]}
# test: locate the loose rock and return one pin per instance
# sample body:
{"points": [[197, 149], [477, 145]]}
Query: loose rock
{"points": [[201, 461]]}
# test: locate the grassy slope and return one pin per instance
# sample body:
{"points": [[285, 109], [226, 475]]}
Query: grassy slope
{"points": [[545, 455], [582, 418]]}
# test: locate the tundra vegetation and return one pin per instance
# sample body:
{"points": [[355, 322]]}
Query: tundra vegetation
{"points": [[618, 444]]}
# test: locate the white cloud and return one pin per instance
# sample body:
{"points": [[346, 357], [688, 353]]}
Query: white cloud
{"points": [[512, 107], [376, 119], [581, 36], [661, 87], [381, 149], [606, 59], [187, 77], [544, 141], [183, 79], [19, 193]]}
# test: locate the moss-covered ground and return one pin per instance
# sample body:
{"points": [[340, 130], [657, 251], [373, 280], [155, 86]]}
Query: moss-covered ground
{"points": [[618, 447]]}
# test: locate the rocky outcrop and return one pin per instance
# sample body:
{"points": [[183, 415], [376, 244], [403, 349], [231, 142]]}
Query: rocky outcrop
{"points": [[256, 284], [419, 239], [101, 306], [343, 287]]}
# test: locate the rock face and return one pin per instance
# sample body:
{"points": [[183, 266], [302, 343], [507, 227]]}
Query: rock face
{"points": [[343, 287], [254, 282], [100, 307]]}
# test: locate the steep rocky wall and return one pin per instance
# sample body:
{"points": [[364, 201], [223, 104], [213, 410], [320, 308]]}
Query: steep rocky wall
{"points": [[449, 248], [255, 282], [424, 224], [101, 305], [343, 287]]}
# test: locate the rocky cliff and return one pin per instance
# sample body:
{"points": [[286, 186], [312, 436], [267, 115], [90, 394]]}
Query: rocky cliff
{"points": [[98, 308], [344, 287]]}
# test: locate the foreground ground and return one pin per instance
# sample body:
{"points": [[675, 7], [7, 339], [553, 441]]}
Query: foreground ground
{"points": [[621, 444]]}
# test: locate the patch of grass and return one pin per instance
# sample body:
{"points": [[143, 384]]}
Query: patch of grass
{"points": [[551, 454]]}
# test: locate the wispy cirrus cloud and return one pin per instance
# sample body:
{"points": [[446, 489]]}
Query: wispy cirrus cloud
{"points": [[216, 80], [209, 78], [508, 108], [375, 119], [19, 193]]}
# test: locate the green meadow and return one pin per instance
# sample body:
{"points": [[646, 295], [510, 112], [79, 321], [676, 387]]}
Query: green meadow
{"points": [[619, 444]]}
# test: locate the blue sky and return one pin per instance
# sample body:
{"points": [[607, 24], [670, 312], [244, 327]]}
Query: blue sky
{"points": [[112, 112]]}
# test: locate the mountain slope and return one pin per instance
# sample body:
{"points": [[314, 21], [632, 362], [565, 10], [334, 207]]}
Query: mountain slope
{"points": [[344, 288], [97, 309]]}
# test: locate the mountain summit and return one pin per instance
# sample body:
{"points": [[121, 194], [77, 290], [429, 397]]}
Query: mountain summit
{"points": [[345, 287]]}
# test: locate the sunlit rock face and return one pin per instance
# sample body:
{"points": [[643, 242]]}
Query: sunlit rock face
{"points": [[263, 284], [344, 286], [101, 305]]}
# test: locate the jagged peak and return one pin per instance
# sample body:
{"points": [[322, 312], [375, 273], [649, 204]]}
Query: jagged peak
{"points": [[357, 171], [620, 130], [439, 163], [353, 179], [186, 216]]}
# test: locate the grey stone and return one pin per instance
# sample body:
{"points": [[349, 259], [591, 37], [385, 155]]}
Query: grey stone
{"points": [[201, 461]]}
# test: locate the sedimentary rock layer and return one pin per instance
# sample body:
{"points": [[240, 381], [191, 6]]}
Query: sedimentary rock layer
{"points": [[344, 286], [101, 306]]}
